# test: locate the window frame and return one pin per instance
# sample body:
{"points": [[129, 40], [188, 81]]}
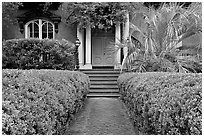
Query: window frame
{"points": [[40, 25]]}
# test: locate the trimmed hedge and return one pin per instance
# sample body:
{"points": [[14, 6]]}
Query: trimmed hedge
{"points": [[163, 103], [38, 54], [41, 101]]}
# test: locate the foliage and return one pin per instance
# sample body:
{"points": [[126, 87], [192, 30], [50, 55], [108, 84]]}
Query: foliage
{"points": [[8, 11], [164, 103], [160, 36], [41, 101], [96, 14], [8, 15], [38, 54]]}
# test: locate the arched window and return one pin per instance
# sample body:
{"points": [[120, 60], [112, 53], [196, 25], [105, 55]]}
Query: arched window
{"points": [[39, 28]]}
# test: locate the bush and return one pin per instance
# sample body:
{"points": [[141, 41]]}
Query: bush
{"points": [[41, 101], [163, 103], [38, 54]]}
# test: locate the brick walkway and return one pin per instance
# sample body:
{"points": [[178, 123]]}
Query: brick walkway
{"points": [[102, 116]]}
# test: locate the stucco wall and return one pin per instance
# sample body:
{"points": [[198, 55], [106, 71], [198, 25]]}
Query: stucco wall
{"points": [[12, 32], [66, 31]]}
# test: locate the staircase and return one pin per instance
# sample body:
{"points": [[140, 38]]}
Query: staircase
{"points": [[103, 82]]}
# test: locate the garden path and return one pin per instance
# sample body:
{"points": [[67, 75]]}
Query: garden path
{"points": [[102, 116]]}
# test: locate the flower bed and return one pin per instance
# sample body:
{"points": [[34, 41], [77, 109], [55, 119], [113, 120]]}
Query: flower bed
{"points": [[41, 101], [163, 103]]}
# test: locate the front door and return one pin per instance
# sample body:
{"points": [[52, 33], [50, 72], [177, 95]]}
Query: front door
{"points": [[100, 42]]}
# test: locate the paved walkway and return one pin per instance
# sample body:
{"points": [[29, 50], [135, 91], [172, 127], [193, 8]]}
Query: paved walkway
{"points": [[102, 116]]}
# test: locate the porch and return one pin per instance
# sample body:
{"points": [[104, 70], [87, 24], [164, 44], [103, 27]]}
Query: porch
{"points": [[94, 42]]}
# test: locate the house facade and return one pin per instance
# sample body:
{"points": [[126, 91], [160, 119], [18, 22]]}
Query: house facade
{"points": [[93, 49]]}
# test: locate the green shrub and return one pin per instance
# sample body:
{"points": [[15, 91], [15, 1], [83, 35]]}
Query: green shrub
{"points": [[41, 101], [38, 54], [163, 103]]}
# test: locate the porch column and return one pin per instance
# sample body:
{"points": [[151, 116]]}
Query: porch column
{"points": [[117, 40], [81, 47], [88, 48], [126, 34]]}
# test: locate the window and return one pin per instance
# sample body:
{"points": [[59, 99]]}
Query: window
{"points": [[39, 28]]}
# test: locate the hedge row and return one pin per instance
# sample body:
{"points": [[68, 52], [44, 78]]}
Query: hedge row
{"points": [[38, 54], [41, 101], [163, 103]]}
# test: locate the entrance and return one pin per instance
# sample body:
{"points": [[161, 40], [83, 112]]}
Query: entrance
{"points": [[101, 39]]}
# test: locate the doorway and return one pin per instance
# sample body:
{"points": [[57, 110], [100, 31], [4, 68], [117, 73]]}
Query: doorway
{"points": [[101, 39]]}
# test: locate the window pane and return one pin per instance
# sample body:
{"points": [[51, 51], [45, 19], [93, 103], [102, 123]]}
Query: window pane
{"points": [[44, 30], [50, 35], [50, 27], [43, 21], [44, 35], [36, 30], [47, 30], [30, 30], [50, 31]]}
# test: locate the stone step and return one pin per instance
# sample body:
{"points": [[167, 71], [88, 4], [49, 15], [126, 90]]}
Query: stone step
{"points": [[91, 95], [104, 90], [103, 82], [103, 86], [101, 72], [103, 78], [103, 75], [87, 70]]}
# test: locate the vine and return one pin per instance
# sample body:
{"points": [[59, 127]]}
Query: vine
{"points": [[102, 15]]}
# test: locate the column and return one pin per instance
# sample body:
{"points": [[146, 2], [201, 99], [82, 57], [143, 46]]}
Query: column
{"points": [[40, 29], [27, 31], [117, 40], [126, 35], [88, 48], [81, 47]]}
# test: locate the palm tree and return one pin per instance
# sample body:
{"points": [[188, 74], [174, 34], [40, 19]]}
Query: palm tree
{"points": [[160, 42]]}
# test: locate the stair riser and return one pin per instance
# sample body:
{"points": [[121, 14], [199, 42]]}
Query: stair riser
{"points": [[103, 95], [102, 89], [103, 79], [103, 92], [103, 83], [107, 93], [92, 88], [111, 77], [102, 72]]}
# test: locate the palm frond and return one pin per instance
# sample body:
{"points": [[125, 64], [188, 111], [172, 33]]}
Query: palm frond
{"points": [[134, 28], [113, 47], [162, 36], [190, 32]]}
